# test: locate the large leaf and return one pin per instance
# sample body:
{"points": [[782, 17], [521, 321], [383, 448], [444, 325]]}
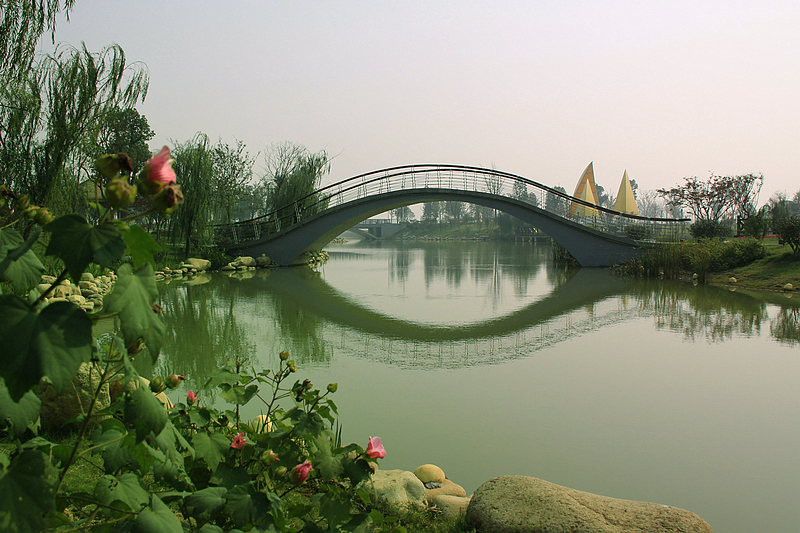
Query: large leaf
{"points": [[19, 415], [127, 488], [132, 297], [145, 412], [18, 264], [247, 506], [238, 394], [203, 504], [212, 448], [51, 343], [78, 243], [27, 493], [158, 519], [328, 466], [139, 244]]}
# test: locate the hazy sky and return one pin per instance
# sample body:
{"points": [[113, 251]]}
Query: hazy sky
{"points": [[662, 89]]}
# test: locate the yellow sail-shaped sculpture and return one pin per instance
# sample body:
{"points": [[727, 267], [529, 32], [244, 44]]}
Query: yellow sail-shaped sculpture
{"points": [[587, 191], [626, 201]]}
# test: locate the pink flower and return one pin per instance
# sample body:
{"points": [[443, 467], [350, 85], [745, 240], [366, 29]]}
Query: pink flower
{"points": [[238, 441], [157, 172], [375, 448], [191, 397], [302, 471]]}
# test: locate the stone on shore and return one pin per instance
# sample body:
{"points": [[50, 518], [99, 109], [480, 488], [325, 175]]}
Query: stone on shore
{"points": [[448, 488], [519, 504], [396, 488], [427, 473], [246, 261], [200, 264], [58, 409], [450, 506]]}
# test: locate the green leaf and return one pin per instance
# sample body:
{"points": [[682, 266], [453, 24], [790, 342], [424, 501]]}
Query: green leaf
{"points": [[212, 448], [51, 343], [238, 394], [204, 503], [132, 297], [27, 493], [145, 412], [116, 453], [247, 506], [230, 477], [158, 519], [326, 464], [334, 510], [78, 243], [19, 415], [128, 489], [139, 244], [18, 264]]}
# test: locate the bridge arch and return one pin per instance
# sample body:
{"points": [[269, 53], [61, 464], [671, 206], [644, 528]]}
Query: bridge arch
{"points": [[312, 222]]}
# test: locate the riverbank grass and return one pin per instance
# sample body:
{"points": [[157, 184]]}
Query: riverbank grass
{"points": [[772, 272]]}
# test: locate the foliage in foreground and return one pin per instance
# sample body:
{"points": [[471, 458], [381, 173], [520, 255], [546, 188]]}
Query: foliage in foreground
{"points": [[193, 466]]}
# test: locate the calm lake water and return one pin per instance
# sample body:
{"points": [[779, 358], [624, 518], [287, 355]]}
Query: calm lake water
{"points": [[485, 359]]}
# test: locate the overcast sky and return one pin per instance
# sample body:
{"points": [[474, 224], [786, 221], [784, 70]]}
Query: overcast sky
{"points": [[662, 89]]}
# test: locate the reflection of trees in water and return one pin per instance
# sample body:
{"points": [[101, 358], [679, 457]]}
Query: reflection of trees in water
{"points": [[786, 326], [706, 312], [202, 331], [399, 265]]}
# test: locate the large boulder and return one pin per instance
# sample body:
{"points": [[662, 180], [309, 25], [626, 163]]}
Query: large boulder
{"points": [[200, 264], [519, 504], [244, 260], [58, 409], [396, 488]]}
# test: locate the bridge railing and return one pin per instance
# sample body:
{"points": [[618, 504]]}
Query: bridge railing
{"points": [[457, 178]]}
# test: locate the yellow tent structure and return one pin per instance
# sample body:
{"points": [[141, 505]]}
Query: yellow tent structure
{"points": [[626, 202], [586, 191]]}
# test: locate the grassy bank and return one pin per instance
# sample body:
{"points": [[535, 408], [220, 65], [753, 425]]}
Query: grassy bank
{"points": [[779, 267]]}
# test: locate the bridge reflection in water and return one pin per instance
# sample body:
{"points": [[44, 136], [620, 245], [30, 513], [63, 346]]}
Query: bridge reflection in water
{"points": [[318, 320]]}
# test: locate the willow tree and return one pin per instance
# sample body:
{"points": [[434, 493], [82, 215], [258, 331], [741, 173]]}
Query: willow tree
{"points": [[22, 24], [293, 176], [49, 120], [195, 169]]}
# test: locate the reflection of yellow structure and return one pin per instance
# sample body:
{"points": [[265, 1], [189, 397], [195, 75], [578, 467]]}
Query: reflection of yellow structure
{"points": [[626, 202], [586, 191]]}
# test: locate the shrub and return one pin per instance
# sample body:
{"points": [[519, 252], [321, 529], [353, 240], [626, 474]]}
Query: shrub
{"points": [[738, 253], [789, 230], [708, 229], [638, 232]]}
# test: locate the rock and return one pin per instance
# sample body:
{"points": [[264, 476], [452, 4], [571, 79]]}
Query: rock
{"points": [[199, 279], [42, 287], [200, 264], [516, 504], [396, 488], [57, 409], [732, 280], [261, 424], [228, 268], [87, 285], [450, 506], [447, 488], [76, 299], [87, 276], [117, 388], [246, 261], [263, 261], [48, 279], [788, 287], [427, 473]]}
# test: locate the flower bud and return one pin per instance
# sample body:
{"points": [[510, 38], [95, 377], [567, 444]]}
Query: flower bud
{"points": [[120, 193], [43, 217], [281, 471], [284, 356], [333, 387], [168, 199], [110, 165], [173, 380], [157, 384], [21, 202], [30, 212]]}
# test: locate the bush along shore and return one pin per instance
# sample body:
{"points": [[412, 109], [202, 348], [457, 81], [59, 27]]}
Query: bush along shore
{"points": [[748, 263]]}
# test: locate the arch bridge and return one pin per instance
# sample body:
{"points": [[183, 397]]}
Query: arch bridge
{"points": [[594, 235]]}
